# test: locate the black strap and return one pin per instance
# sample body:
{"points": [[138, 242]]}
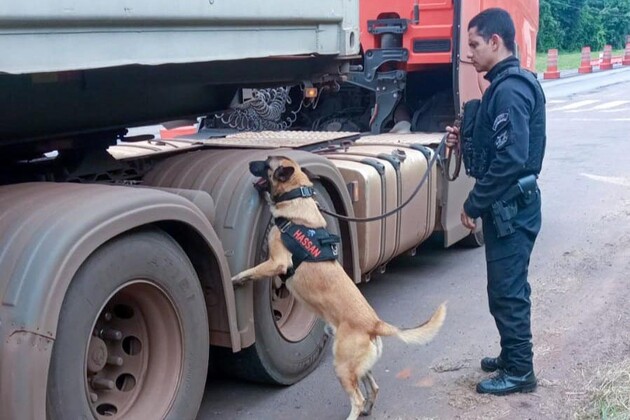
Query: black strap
{"points": [[512, 193], [525, 186], [306, 244], [302, 192], [282, 223], [290, 272]]}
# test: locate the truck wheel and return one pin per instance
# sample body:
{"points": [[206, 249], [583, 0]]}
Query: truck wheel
{"points": [[290, 339], [132, 339]]}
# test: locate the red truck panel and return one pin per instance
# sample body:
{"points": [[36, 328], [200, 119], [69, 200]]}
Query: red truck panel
{"points": [[435, 24]]}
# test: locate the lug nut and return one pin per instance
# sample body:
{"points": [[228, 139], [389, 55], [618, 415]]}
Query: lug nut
{"points": [[100, 383], [93, 397], [110, 334], [115, 360]]}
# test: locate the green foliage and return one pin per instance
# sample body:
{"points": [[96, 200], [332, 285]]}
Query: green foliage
{"points": [[616, 19], [590, 31], [550, 34], [570, 25]]}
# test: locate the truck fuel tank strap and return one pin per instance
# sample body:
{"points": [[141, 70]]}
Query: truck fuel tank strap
{"points": [[425, 177]]}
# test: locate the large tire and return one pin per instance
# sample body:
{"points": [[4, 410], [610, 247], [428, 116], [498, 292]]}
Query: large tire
{"points": [[290, 339], [132, 340]]}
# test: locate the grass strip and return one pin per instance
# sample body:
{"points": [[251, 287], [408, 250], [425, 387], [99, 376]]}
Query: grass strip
{"points": [[609, 392], [568, 60]]}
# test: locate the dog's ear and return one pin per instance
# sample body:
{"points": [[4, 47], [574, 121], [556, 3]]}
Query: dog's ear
{"points": [[283, 173]]}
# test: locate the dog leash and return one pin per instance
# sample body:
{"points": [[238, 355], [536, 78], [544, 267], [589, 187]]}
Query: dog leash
{"points": [[457, 151], [397, 209], [458, 163]]}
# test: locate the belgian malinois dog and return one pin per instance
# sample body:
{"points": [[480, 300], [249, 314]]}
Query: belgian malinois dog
{"points": [[326, 289]]}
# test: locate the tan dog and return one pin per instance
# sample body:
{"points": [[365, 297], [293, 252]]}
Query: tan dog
{"points": [[328, 290]]}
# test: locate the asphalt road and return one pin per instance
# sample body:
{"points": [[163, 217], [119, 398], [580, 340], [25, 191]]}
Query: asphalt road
{"points": [[577, 269]]}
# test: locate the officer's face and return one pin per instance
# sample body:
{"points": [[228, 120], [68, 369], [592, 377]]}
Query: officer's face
{"points": [[482, 54]]}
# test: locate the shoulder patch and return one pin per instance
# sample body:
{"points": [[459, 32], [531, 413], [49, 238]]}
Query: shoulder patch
{"points": [[502, 139], [501, 118]]}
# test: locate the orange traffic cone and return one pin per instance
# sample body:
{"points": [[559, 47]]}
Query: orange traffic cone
{"points": [[552, 65], [606, 63], [585, 65], [626, 55]]}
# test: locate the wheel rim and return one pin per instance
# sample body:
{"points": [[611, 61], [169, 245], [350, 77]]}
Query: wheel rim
{"points": [[134, 357], [293, 318]]}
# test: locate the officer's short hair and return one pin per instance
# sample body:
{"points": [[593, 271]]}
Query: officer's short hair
{"points": [[495, 21]]}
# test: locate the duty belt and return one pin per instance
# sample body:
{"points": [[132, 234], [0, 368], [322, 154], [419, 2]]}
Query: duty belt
{"points": [[524, 188], [504, 209]]}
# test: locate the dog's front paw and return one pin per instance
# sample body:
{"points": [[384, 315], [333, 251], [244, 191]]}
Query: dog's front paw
{"points": [[329, 330], [239, 280]]}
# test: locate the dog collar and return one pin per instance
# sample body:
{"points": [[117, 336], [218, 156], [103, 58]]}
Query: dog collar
{"points": [[302, 192]]}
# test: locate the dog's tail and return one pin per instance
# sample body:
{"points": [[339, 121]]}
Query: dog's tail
{"points": [[419, 335]]}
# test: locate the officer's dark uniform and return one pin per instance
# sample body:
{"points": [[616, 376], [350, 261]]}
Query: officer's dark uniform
{"points": [[509, 132]]}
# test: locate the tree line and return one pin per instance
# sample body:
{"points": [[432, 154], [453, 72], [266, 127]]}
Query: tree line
{"points": [[570, 25]]}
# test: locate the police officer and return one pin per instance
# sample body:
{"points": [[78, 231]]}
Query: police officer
{"points": [[504, 154]]}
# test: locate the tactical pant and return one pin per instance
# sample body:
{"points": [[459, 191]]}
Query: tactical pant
{"points": [[507, 260]]}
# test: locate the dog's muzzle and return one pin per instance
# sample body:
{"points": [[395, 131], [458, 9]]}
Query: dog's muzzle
{"points": [[260, 168]]}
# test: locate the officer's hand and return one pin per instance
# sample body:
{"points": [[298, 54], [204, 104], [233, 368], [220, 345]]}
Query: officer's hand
{"points": [[468, 221], [452, 139]]}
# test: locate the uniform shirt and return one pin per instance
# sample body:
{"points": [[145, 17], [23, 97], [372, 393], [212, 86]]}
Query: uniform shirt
{"points": [[507, 115]]}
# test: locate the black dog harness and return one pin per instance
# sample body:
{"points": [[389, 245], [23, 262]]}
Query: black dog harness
{"points": [[301, 192], [306, 244]]}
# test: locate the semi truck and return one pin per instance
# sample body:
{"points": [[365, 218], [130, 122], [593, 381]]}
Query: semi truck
{"points": [[117, 245]]}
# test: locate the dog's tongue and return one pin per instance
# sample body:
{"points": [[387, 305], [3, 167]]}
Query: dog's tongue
{"points": [[261, 185]]}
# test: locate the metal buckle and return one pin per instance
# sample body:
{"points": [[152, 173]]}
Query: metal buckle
{"points": [[335, 249], [306, 191], [285, 226]]}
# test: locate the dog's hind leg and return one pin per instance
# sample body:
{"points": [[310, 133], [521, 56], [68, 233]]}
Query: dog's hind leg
{"points": [[371, 389], [347, 367], [350, 383]]}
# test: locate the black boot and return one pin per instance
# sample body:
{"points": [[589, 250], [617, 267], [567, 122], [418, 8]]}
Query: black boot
{"points": [[506, 383], [490, 364]]}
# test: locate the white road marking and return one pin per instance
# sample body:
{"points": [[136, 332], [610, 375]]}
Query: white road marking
{"points": [[625, 182], [608, 105], [605, 107], [576, 105]]}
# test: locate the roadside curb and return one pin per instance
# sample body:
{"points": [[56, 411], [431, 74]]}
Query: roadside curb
{"points": [[591, 82], [571, 74]]}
